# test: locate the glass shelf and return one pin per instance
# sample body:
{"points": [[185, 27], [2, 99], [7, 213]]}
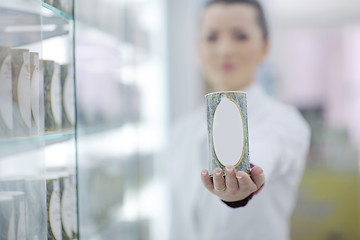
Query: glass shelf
{"points": [[22, 26], [57, 11], [15, 39], [22, 144], [49, 138]]}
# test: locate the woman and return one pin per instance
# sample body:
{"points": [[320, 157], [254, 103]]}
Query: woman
{"points": [[233, 41]]}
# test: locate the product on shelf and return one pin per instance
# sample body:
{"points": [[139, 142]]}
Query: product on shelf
{"points": [[34, 190], [68, 200], [63, 5], [68, 96], [7, 221], [36, 92], [66, 204], [67, 6], [6, 109], [50, 2], [53, 207], [19, 213], [20, 65], [52, 95], [74, 209]]}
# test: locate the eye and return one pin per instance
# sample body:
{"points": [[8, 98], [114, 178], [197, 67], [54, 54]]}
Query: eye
{"points": [[211, 37], [240, 36]]}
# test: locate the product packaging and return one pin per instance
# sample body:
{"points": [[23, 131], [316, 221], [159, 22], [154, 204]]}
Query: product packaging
{"points": [[68, 96], [74, 208], [53, 208], [50, 2], [6, 106], [19, 213], [52, 95], [227, 131], [36, 93], [7, 221], [34, 191], [20, 65]]}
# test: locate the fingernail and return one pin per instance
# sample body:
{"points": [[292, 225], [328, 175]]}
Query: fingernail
{"points": [[239, 177], [203, 172], [229, 169], [218, 173]]}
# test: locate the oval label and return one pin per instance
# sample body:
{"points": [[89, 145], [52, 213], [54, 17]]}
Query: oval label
{"points": [[228, 132]]}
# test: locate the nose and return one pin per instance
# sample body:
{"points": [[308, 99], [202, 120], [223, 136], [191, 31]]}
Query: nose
{"points": [[225, 47]]}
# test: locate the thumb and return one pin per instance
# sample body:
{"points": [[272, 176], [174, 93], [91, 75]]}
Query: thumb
{"points": [[257, 175]]}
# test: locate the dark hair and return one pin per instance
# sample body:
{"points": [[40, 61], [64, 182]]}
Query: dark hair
{"points": [[254, 3]]}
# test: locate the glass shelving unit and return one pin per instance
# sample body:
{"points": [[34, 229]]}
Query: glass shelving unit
{"points": [[102, 157], [37, 108]]}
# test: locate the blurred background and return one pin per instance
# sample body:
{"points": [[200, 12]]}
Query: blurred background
{"points": [[137, 73]]}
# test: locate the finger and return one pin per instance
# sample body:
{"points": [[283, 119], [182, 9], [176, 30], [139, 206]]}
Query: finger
{"points": [[230, 179], [219, 181], [257, 175], [246, 184], [206, 180]]}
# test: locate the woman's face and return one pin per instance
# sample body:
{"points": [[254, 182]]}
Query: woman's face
{"points": [[231, 45]]}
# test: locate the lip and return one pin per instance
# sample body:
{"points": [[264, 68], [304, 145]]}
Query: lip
{"points": [[227, 66]]}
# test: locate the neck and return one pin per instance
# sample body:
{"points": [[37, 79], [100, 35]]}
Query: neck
{"points": [[235, 87]]}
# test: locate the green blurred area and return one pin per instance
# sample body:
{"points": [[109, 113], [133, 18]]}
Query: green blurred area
{"points": [[328, 199], [327, 207]]}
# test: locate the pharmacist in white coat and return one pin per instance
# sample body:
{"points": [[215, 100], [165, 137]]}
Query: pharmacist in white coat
{"points": [[233, 41]]}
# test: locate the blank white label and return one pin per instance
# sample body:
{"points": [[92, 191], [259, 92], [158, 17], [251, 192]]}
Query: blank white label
{"points": [[228, 132]]}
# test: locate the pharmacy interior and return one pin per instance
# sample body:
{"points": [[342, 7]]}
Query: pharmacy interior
{"points": [[89, 91]]}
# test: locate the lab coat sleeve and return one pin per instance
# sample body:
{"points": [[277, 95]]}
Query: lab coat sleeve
{"points": [[280, 143], [176, 170]]}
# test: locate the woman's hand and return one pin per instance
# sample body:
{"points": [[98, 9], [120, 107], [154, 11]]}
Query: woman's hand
{"points": [[235, 186]]}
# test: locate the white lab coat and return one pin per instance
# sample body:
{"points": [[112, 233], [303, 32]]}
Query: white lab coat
{"points": [[279, 140]]}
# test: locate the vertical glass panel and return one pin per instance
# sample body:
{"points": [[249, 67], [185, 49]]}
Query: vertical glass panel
{"points": [[22, 165]]}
